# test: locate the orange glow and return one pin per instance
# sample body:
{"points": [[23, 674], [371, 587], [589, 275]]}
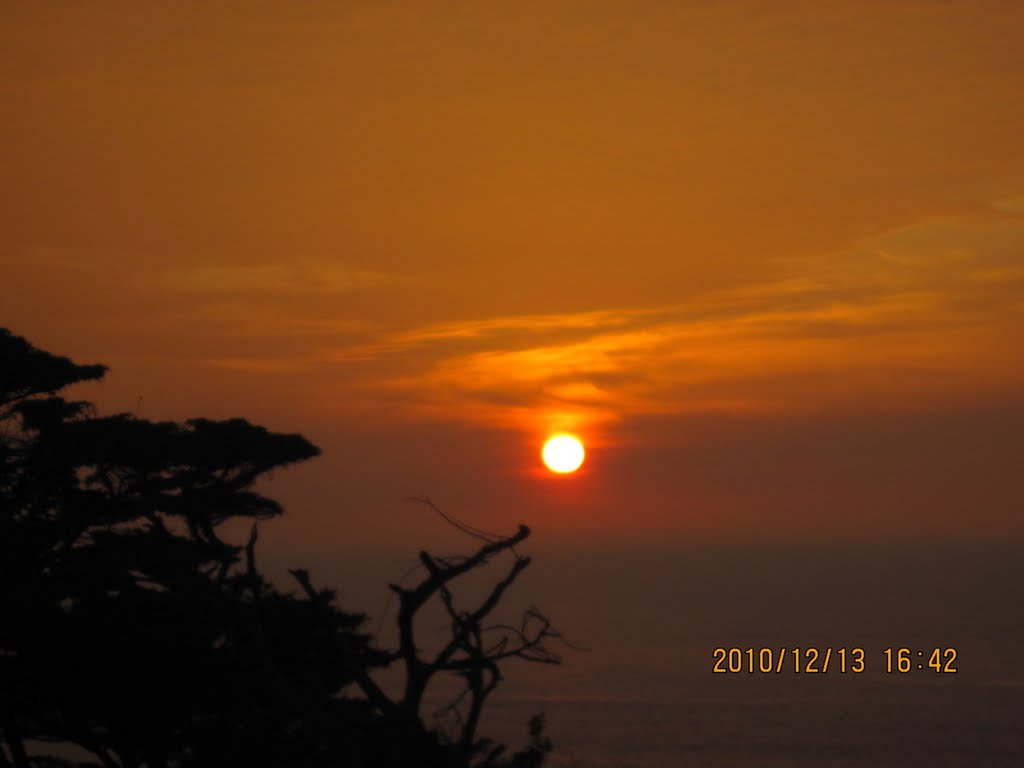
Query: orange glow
{"points": [[720, 249], [563, 454]]}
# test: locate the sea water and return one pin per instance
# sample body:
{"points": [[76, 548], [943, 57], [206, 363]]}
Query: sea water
{"points": [[644, 693]]}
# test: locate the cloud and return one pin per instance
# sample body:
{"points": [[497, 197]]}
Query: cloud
{"points": [[905, 318], [910, 317], [202, 280]]}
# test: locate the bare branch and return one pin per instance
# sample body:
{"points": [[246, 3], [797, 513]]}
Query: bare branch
{"points": [[467, 529]]}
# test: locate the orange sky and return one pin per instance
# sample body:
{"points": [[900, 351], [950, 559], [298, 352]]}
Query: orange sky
{"points": [[768, 259]]}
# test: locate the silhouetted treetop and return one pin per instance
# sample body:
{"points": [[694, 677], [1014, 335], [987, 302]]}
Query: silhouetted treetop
{"points": [[27, 371]]}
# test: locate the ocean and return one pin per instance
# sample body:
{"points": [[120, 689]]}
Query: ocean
{"points": [[638, 690]]}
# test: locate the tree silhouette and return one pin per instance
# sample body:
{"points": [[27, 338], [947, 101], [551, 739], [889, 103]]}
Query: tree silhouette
{"points": [[130, 628]]}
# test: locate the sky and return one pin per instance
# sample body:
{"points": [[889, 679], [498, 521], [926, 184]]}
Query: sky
{"points": [[766, 259]]}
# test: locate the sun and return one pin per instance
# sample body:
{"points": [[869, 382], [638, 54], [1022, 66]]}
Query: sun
{"points": [[563, 453]]}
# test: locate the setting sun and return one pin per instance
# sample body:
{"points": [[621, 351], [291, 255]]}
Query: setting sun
{"points": [[563, 453]]}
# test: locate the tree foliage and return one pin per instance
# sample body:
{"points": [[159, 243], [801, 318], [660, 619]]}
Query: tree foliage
{"points": [[131, 628]]}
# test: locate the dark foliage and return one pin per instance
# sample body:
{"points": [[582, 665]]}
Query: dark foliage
{"points": [[130, 628]]}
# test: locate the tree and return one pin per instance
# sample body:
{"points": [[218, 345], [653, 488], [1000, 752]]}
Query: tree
{"points": [[130, 628]]}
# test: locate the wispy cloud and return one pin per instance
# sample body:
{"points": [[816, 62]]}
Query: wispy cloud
{"points": [[928, 311], [915, 315]]}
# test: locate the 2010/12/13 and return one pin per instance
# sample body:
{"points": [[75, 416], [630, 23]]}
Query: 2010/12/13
{"points": [[810, 660]]}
